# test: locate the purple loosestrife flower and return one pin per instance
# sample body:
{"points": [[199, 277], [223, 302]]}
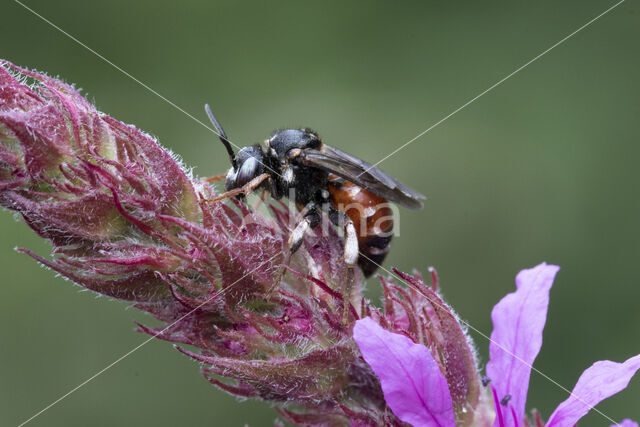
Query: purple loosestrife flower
{"points": [[411, 379], [126, 220], [413, 385], [518, 321]]}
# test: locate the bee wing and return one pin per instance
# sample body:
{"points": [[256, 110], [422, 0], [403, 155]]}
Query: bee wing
{"points": [[363, 174]]}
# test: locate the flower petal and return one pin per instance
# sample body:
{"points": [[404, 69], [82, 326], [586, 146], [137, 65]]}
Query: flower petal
{"points": [[626, 423], [518, 321], [601, 380], [413, 385]]}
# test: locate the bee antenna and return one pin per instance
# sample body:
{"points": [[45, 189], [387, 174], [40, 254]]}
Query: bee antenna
{"points": [[222, 135]]}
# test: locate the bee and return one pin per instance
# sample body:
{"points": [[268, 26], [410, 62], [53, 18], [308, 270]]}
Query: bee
{"points": [[297, 162]]}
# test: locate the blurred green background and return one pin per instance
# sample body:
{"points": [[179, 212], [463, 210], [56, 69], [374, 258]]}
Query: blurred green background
{"points": [[543, 168]]}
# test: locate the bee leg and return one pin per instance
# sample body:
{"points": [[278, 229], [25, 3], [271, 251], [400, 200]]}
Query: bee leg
{"points": [[245, 189], [261, 200], [311, 219], [351, 251], [215, 178]]}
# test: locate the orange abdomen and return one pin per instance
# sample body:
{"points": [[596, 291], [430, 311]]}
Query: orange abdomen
{"points": [[372, 218]]}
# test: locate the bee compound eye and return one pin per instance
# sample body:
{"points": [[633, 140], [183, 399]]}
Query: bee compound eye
{"points": [[250, 169]]}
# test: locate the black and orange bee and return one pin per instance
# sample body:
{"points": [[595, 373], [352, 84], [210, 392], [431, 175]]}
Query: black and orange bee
{"points": [[297, 162]]}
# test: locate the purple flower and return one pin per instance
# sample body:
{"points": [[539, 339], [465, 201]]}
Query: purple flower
{"points": [[414, 387], [518, 320]]}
